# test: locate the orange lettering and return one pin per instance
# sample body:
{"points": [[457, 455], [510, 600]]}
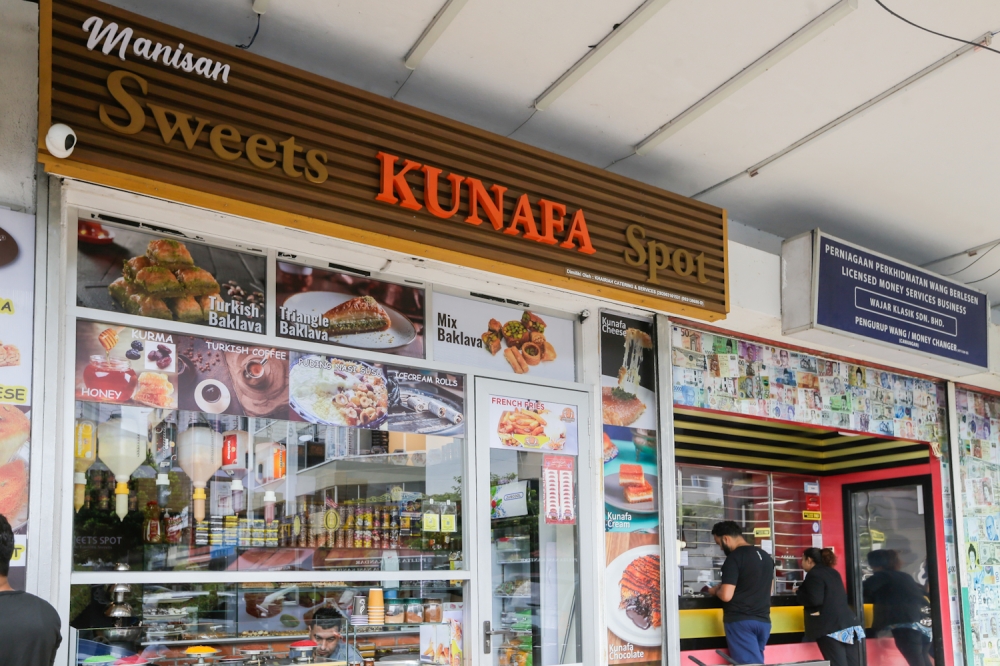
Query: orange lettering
{"points": [[431, 192], [393, 183], [578, 232], [551, 223], [522, 216], [477, 195]]}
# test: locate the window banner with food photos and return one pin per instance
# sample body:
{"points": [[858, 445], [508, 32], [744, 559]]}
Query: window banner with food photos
{"points": [[17, 300], [169, 277], [631, 489], [503, 338], [524, 424], [147, 368], [727, 374], [349, 310]]}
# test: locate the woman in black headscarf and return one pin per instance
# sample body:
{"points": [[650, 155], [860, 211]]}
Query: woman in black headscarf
{"points": [[828, 619]]}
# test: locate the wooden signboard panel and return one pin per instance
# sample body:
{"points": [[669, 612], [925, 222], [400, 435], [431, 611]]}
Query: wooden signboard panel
{"points": [[218, 127]]}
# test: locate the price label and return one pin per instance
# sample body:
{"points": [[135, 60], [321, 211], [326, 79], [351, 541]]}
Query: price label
{"points": [[812, 515], [762, 532]]}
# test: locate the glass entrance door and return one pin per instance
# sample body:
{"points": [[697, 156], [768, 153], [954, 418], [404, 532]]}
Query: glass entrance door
{"points": [[892, 570], [536, 438]]}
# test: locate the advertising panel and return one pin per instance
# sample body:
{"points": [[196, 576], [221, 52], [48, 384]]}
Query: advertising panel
{"points": [[631, 489], [161, 277], [147, 368], [17, 299], [505, 339], [349, 310], [533, 425]]}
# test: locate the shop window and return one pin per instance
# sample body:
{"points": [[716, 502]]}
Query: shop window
{"points": [[769, 507], [266, 621], [182, 490]]}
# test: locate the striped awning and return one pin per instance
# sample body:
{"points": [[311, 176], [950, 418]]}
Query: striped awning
{"points": [[705, 437]]}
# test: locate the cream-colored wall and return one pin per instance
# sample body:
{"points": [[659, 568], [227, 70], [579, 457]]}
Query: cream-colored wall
{"points": [[18, 103]]}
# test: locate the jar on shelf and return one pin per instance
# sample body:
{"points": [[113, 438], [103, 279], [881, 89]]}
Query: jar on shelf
{"points": [[433, 610], [414, 611], [395, 611]]}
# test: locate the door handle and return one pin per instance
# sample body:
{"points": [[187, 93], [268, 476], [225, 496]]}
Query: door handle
{"points": [[488, 635]]}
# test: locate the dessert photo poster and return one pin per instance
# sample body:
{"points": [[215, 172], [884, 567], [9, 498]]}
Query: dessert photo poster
{"points": [[17, 295], [631, 489], [503, 339], [166, 277], [349, 310]]}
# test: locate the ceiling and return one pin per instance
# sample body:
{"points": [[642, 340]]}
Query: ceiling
{"points": [[912, 176]]}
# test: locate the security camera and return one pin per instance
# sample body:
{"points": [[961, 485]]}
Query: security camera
{"points": [[60, 140], [584, 315]]}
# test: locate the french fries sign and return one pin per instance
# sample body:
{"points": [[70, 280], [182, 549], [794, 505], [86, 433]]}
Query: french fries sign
{"points": [[533, 425]]}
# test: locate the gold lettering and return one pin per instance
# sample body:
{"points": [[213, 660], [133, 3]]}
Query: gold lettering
{"points": [[663, 251], [700, 263], [316, 166], [257, 142], [288, 156], [683, 263], [635, 235], [137, 117], [182, 122], [222, 133]]}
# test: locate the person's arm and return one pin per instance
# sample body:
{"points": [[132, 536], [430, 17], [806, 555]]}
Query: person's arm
{"points": [[730, 576], [811, 591]]}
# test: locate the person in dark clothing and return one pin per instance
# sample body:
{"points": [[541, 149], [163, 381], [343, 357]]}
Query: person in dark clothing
{"points": [[897, 601], [29, 626], [828, 619], [745, 592]]}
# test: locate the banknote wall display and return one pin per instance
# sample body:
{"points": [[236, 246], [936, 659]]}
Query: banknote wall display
{"points": [[631, 489], [731, 375], [17, 296], [168, 277], [979, 438]]}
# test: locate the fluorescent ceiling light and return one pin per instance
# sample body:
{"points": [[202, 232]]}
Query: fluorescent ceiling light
{"points": [[748, 74], [432, 32], [595, 55], [985, 40]]}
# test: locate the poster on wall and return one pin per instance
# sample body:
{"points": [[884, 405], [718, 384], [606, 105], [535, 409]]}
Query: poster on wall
{"points": [[505, 339], [522, 424], [146, 368], [349, 310], [161, 277], [727, 374], [631, 489], [17, 300]]}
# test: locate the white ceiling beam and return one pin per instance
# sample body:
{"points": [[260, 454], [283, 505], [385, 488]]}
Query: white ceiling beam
{"points": [[746, 75], [433, 32], [984, 40], [595, 55]]}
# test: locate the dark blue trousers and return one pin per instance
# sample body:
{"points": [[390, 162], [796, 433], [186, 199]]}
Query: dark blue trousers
{"points": [[747, 639]]}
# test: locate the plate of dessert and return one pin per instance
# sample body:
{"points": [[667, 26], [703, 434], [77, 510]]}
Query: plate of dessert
{"points": [[331, 391], [631, 489], [633, 578], [354, 321]]}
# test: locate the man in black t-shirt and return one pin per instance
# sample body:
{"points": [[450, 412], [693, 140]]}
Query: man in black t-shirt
{"points": [[745, 592], [29, 626]]}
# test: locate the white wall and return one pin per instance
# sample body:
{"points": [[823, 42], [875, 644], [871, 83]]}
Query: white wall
{"points": [[18, 103]]}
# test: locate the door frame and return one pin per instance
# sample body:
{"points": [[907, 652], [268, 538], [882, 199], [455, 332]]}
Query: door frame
{"points": [[931, 507], [588, 489]]}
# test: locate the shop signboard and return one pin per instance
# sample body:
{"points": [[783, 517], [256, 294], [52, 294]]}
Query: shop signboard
{"points": [[168, 276], [837, 291], [349, 309], [139, 367], [501, 338], [631, 489], [17, 300], [351, 164]]}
